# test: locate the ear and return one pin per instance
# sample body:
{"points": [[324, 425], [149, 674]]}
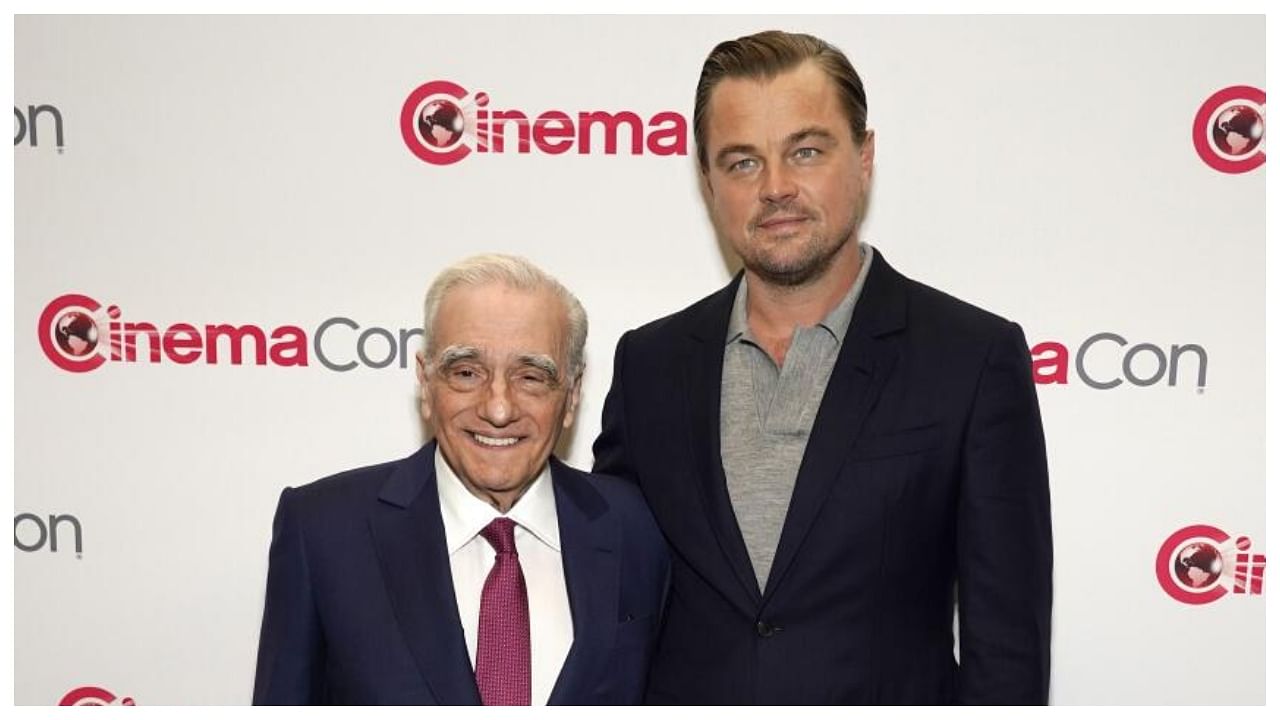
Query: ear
{"points": [[575, 395], [424, 386], [867, 156]]}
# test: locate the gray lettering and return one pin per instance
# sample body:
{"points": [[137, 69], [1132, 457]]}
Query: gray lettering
{"points": [[1177, 351], [319, 348], [405, 336], [20, 133], [32, 547], [391, 348], [33, 114], [1084, 348], [54, 522], [1162, 363]]}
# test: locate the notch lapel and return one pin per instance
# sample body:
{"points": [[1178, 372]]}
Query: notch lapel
{"points": [[704, 370], [408, 533], [867, 359], [589, 547]]}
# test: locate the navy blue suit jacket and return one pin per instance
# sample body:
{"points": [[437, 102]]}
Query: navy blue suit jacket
{"points": [[923, 484], [360, 607]]}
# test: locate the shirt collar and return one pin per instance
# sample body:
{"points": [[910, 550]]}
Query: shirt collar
{"points": [[465, 515], [836, 322]]}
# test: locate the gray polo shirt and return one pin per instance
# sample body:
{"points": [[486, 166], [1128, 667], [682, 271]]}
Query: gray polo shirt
{"points": [[766, 414]]}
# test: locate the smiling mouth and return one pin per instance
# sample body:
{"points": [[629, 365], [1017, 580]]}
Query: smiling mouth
{"points": [[494, 442]]}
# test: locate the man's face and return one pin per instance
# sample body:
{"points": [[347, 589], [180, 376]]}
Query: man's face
{"points": [[787, 181], [497, 389]]}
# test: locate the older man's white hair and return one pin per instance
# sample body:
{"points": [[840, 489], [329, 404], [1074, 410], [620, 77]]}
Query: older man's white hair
{"points": [[514, 272]]}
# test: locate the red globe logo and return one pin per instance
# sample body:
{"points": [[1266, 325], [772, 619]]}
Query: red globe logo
{"points": [[441, 123], [1237, 130], [433, 122], [76, 334], [1198, 565], [1229, 130]]}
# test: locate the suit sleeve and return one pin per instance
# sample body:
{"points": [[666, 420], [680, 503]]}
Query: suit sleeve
{"points": [[1004, 537], [291, 645], [610, 448]]}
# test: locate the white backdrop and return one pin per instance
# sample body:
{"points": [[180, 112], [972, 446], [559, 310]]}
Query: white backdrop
{"points": [[251, 171]]}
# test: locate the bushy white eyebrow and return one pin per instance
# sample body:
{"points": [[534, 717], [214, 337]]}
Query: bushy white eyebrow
{"points": [[460, 353], [541, 362], [455, 354]]}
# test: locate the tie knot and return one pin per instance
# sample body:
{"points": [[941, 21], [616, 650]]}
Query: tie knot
{"points": [[501, 534]]}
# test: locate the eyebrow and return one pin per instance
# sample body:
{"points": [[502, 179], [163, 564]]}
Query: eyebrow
{"points": [[456, 354], [459, 353], [541, 362], [815, 131], [728, 150], [812, 132]]}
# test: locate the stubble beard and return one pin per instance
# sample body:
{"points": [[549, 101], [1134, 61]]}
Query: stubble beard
{"points": [[812, 263]]}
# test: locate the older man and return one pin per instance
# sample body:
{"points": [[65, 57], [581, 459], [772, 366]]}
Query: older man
{"points": [[480, 569], [837, 454]]}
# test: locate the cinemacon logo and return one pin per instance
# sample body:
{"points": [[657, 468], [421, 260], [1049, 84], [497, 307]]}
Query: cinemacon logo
{"points": [[79, 334], [1199, 564], [93, 695], [1107, 360], [442, 122], [1229, 131]]}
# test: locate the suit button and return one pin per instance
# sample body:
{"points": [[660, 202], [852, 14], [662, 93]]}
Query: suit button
{"points": [[764, 629]]}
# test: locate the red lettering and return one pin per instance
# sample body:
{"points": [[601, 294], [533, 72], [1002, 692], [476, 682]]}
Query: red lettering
{"points": [[182, 343], [293, 340], [610, 123], [553, 132], [498, 132], [1049, 363], [237, 336], [131, 331], [677, 135]]}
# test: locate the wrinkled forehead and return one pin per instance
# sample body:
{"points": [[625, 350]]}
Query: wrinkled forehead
{"points": [[499, 322]]}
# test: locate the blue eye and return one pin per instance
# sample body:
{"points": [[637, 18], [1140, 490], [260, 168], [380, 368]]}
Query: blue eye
{"points": [[743, 165], [807, 153]]}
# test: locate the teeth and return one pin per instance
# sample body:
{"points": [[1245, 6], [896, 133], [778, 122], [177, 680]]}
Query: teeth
{"points": [[494, 442]]}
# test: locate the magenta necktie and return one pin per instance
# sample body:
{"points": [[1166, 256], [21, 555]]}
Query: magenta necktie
{"points": [[503, 657]]}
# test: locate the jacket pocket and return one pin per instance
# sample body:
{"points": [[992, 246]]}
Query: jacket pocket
{"points": [[902, 442]]}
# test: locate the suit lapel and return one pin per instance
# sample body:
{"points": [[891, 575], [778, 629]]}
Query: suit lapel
{"points": [[867, 359], [589, 547], [703, 373], [408, 533]]}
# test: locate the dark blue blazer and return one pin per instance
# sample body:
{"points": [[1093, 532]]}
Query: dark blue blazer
{"points": [[360, 607], [923, 484]]}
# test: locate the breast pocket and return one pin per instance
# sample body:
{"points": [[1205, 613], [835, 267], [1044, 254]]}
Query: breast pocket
{"points": [[911, 441]]}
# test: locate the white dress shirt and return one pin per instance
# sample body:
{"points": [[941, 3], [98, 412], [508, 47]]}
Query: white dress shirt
{"points": [[537, 535]]}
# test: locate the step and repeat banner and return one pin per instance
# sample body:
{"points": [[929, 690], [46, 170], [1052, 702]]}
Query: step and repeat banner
{"points": [[224, 228]]}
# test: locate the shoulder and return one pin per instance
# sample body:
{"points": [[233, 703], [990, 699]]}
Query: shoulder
{"points": [[939, 315], [344, 493], [621, 500], [691, 319], [939, 311]]}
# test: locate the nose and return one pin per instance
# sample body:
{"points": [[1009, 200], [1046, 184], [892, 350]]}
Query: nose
{"points": [[497, 407], [776, 184]]}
